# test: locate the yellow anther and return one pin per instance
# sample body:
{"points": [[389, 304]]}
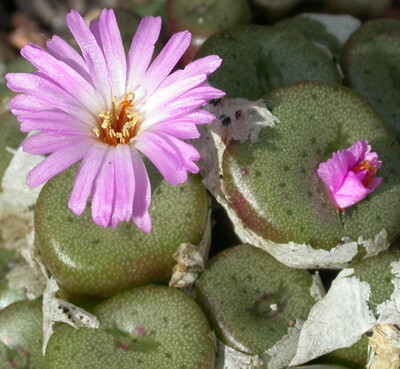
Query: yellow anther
{"points": [[119, 125], [96, 132]]}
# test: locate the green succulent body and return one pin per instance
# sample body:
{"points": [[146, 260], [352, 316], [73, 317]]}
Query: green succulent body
{"points": [[259, 59], [371, 65], [21, 332], [144, 328], [273, 185], [98, 262], [251, 299]]}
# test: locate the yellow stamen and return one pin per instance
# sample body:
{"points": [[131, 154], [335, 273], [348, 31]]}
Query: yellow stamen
{"points": [[371, 172], [121, 124]]}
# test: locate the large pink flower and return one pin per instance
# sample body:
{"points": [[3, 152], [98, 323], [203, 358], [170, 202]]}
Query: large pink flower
{"points": [[106, 109], [351, 174]]}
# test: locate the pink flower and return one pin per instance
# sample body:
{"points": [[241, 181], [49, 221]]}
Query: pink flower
{"points": [[351, 174], [105, 109]]}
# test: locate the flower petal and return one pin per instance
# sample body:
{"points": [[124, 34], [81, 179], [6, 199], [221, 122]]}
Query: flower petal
{"points": [[206, 65], [178, 108], [41, 86], [44, 143], [357, 153], [163, 156], [165, 95], [25, 104], [334, 170], [104, 191], [58, 161], [70, 80], [92, 54], [375, 184], [201, 117], [165, 62], [142, 199], [182, 129], [113, 50], [187, 153], [62, 50], [124, 185], [141, 51], [53, 121], [87, 173], [350, 192]]}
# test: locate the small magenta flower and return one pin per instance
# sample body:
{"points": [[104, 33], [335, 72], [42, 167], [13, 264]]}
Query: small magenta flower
{"points": [[105, 109], [351, 174]]}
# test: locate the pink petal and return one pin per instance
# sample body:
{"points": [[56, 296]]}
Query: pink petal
{"points": [[165, 95], [124, 185], [334, 170], [45, 143], [71, 80], [204, 92], [178, 108], [39, 85], [25, 104], [375, 184], [104, 191], [58, 161], [114, 52], [55, 121], [350, 192], [182, 129], [163, 156], [372, 157], [187, 152], [92, 54], [95, 29], [206, 65], [201, 117], [87, 173], [357, 154], [141, 51], [165, 61], [142, 199], [62, 50]]}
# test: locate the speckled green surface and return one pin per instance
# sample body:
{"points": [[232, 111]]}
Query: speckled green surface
{"points": [[258, 59], [204, 17], [311, 29], [87, 259], [371, 65], [377, 271], [149, 7], [273, 9], [237, 290], [273, 185], [365, 9], [21, 331], [10, 137], [150, 327]]}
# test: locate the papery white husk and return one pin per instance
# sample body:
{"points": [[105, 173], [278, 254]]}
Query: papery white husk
{"points": [[17, 200], [191, 260], [340, 319], [341, 26]]}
